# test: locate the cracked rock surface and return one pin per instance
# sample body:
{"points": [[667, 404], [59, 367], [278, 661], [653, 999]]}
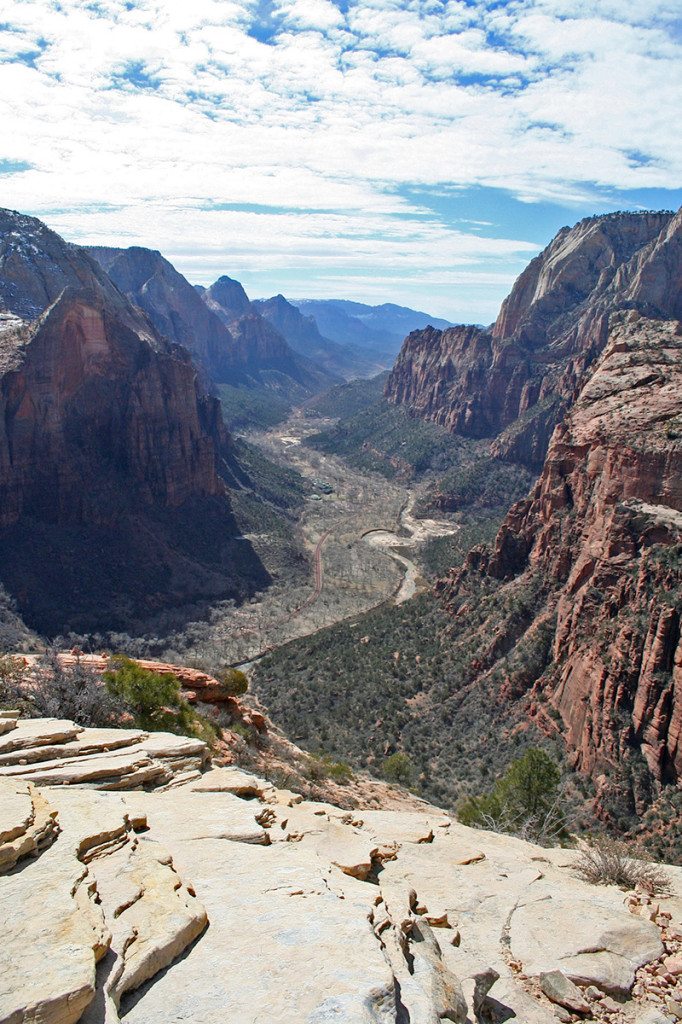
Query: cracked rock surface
{"points": [[314, 914]]}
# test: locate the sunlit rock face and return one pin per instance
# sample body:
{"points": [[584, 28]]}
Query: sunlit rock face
{"points": [[514, 382], [371, 915], [602, 530]]}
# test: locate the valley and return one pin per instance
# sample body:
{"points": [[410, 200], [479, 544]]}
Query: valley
{"points": [[357, 536]]}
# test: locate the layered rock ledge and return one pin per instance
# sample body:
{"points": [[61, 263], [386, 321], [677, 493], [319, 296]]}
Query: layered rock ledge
{"points": [[315, 913]]}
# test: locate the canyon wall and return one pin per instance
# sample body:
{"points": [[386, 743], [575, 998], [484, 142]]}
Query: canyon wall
{"points": [[113, 461], [600, 537], [514, 382]]}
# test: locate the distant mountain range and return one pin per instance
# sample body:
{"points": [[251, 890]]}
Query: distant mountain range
{"points": [[376, 329], [222, 330]]}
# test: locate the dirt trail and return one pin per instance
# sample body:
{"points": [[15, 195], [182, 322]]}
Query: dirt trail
{"points": [[418, 531]]}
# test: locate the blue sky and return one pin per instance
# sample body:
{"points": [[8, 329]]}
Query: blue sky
{"points": [[417, 152]]}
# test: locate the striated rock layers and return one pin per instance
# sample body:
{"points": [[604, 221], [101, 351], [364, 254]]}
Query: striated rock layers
{"points": [[599, 540], [113, 460], [218, 326], [314, 913], [514, 382]]}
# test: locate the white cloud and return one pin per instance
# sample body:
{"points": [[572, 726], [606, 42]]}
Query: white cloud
{"points": [[140, 121]]}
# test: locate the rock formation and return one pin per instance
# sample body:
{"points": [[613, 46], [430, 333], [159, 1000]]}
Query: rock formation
{"points": [[227, 299], [113, 460], [600, 539], [514, 382], [313, 913], [231, 342]]}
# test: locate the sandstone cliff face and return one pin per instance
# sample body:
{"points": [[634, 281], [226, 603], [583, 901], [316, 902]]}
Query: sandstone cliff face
{"points": [[176, 309], [514, 383], [601, 535], [112, 459]]}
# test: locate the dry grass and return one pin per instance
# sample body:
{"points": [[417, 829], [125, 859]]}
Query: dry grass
{"points": [[607, 861]]}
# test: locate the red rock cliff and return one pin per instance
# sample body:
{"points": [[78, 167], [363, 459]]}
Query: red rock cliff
{"points": [[514, 383], [113, 461], [602, 535]]}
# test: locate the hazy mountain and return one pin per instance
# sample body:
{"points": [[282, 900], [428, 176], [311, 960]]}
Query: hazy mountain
{"points": [[376, 329], [231, 342], [304, 336]]}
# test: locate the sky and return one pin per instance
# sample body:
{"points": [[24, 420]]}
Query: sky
{"points": [[418, 152]]}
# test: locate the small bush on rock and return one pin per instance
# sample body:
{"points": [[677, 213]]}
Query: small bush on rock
{"points": [[75, 692], [154, 700], [53, 690], [606, 861], [235, 682]]}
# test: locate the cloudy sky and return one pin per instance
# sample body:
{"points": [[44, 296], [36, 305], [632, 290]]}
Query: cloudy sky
{"points": [[418, 152]]}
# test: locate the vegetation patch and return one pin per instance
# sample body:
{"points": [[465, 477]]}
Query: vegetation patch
{"points": [[346, 400], [252, 407], [384, 438], [525, 802]]}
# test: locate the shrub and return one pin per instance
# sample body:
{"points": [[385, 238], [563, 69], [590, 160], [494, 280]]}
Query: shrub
{"points": [[12, 676], [606, 861], [397, 768], [339, 771], [524, 802], [53, 690], [75, 692], [235, 682], [154, 700]]}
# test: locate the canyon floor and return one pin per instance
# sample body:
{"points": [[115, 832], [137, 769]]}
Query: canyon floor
{"points": [[358, 533]]}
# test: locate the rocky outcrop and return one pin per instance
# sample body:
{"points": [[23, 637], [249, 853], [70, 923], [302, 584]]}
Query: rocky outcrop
{"points": [[514, 382], [382, 916], [227, 299], [52, 752], [601, 537], [92, 916], [113, 460]]}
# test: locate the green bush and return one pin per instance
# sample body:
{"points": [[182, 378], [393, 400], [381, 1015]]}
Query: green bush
{"points": [[154, 700], [524, 802], [235, 682], [397, 768]]}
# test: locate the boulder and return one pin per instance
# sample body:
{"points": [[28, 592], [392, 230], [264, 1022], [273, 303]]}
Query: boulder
{"points": [[559, 989], [592, 941]]}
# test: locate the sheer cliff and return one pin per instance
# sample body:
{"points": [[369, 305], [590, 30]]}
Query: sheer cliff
{"points": [[600, 538], [513, 383], [114, 463]]}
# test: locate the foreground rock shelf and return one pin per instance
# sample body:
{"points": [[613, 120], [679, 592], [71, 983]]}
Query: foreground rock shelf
{"points": [[314, 914]]}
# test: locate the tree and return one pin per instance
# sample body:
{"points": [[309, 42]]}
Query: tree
{"points": [[525, 802], [153, 697], [397, 768]]}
